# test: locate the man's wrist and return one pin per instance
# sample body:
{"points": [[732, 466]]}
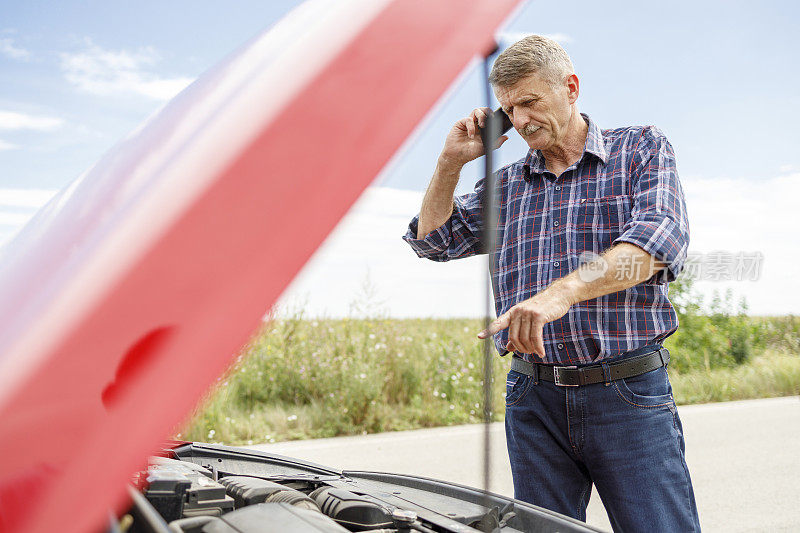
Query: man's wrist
{"points": [[448, 168], [569, 288]]}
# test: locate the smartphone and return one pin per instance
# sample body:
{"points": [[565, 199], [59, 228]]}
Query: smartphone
{"points": [[505, 125]]}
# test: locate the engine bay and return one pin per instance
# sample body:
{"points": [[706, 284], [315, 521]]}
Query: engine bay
{"points": [[203, 488]]}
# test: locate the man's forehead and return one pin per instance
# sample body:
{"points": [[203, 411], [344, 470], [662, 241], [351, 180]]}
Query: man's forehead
{"points": [[530, 86]]}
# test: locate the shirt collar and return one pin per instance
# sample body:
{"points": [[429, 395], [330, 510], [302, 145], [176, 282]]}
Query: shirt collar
{"points": [[594, 145]]}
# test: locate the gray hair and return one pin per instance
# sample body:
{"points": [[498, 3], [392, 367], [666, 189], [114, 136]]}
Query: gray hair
{"points": [[534, 54]]}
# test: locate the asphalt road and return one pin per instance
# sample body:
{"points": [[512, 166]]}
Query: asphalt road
{"points": [[744, 459]]}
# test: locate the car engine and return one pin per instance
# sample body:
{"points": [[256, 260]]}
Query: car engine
{"points": [[204, 488]]}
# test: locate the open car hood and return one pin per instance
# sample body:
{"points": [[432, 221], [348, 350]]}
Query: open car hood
{"points": [[126, 297]]}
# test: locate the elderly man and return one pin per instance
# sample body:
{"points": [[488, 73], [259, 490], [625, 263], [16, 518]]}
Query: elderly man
{"points": [[592, 227]]}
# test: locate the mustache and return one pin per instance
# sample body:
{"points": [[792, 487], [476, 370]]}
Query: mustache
{"points": [[528, 129]]}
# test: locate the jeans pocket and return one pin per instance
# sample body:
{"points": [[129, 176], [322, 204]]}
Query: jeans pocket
{"points": [[651, 389], [517, 385]]}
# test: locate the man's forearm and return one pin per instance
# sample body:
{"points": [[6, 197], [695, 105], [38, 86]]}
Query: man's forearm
{"points": [[620, 267], [437, 205]]}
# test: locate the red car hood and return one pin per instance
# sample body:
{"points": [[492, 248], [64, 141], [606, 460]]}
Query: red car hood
{"points": [[128, 294]]}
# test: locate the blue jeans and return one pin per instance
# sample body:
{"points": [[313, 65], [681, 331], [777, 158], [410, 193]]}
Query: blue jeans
{"points": [[624, 436]]}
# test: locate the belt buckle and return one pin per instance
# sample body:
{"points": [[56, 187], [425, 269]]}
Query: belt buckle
{"points": [[557, 376]]}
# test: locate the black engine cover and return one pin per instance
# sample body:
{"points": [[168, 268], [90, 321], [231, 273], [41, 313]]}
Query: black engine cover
{"points": [[357, 513]]}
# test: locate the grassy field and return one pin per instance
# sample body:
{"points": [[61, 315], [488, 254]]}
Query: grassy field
{"points": [[321, 378]]}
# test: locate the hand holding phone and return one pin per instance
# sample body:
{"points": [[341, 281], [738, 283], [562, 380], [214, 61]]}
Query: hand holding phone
{"points": [[505, 125], [462, 144]]}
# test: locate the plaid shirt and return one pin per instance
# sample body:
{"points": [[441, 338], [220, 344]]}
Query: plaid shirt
{"points": [[624, 188]]}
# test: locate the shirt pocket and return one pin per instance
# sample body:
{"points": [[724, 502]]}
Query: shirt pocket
{"points": [[601, 220]]}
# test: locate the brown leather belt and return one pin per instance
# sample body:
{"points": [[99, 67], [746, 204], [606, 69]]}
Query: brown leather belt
{"points": [[573, 376]]}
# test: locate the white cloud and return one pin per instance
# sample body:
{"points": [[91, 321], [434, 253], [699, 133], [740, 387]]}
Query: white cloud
{"points": [[104, 72], [367, 247], [7, 146], [10, 120], [14, 219], [725, 214], [750, 215], [27, 198], [9, 49]]}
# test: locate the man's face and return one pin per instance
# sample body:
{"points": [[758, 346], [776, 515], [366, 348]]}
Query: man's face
{"points": [[539, 111]]}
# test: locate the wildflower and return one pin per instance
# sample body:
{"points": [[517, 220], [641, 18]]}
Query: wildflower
{"points": [[471, 365], [371, 335], [436, 393], [249, 442], [211, 434], [444, 395], [452, 406], [291, 418], [362, 376]]}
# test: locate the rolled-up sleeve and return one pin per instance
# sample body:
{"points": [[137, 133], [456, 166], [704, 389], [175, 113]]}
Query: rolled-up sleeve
{"points": [[459, 237], [659, 223]]}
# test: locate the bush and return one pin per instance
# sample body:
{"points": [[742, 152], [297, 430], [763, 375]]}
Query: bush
{"points": [[722, 338]]}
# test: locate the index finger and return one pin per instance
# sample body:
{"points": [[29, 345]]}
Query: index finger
{"points": [[500, 323]]}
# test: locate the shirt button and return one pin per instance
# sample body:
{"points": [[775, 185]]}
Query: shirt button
{"points": [[556, 264], [560, 346], [558, 187], [555, 223]]}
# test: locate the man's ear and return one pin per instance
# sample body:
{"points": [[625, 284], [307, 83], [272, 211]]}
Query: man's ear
{"points": [[573, 88]]}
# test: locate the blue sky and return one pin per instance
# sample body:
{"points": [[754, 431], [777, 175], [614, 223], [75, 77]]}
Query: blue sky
{"points": [[719, 78]]}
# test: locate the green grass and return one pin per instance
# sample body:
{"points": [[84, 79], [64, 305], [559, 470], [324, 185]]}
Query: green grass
{"points": [[771, 374], [322, 378]]}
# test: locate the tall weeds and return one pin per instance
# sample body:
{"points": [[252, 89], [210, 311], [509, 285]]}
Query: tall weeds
{"points": [[301, 378]]}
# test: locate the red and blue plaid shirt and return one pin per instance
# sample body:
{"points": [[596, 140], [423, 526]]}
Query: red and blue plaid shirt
{"points": [[624, 188]]}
